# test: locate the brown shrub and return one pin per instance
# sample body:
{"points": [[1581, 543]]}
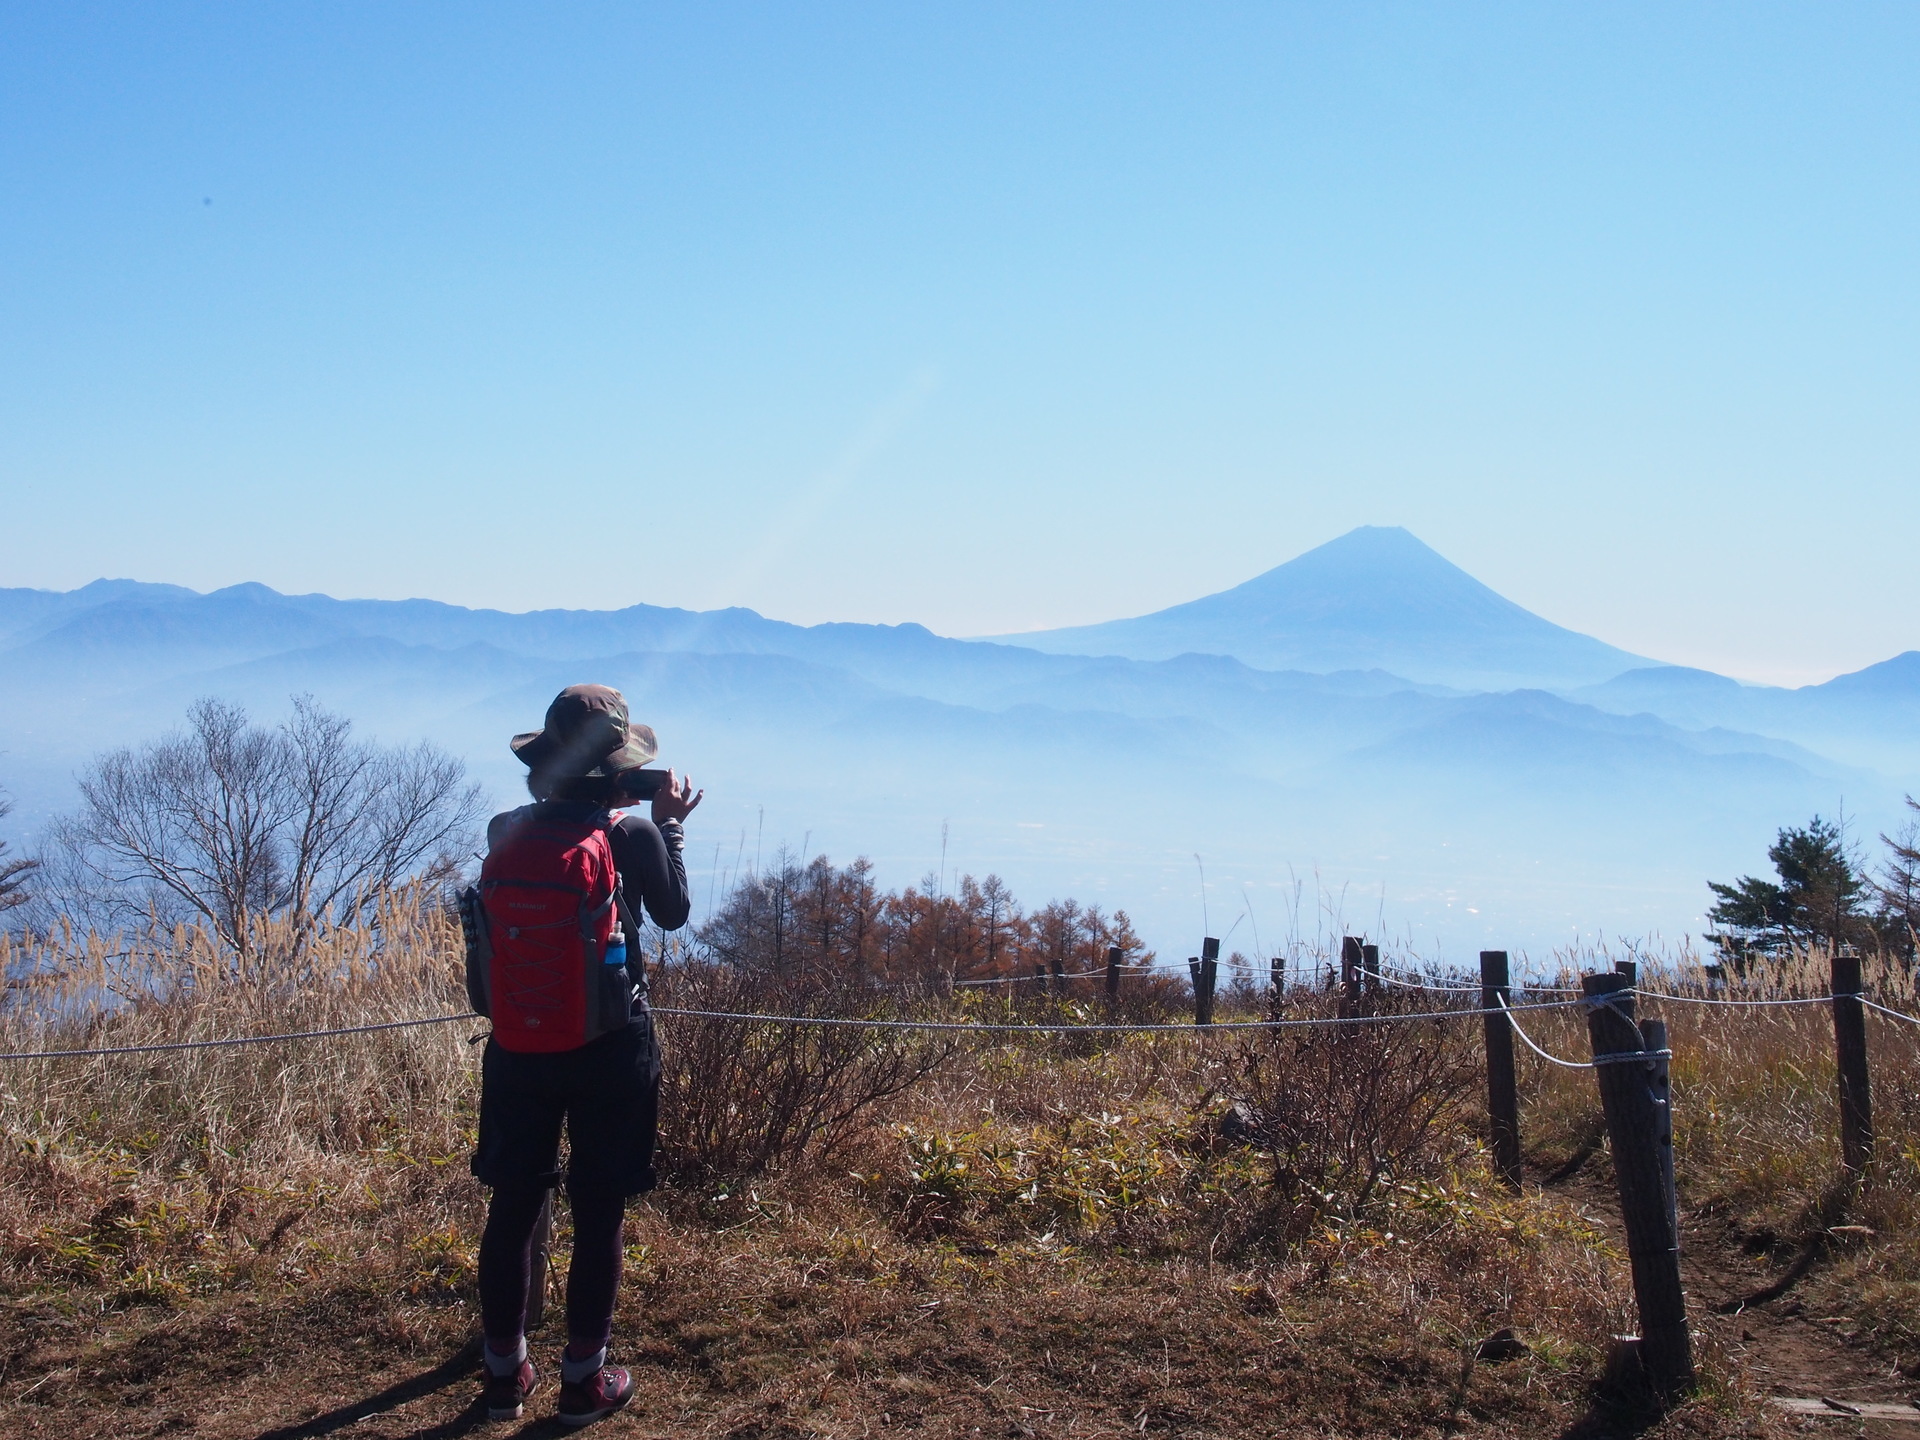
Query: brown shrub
{"points": [[1344, 1110], [739, 1099]]}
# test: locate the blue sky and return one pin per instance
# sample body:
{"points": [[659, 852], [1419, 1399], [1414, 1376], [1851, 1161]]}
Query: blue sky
{"points": [[991, 317]]}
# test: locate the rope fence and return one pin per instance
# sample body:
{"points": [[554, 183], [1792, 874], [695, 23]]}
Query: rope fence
{"points": [[1043, 1027], [1742, 1003], [1036, 978], [1038, 1027], [1896, 1014], [1630, 1059], [1426, 983], [1422, 984], [227, 1041], [1528, 1041]]}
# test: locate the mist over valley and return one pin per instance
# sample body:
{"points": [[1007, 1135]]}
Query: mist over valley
{"points": [[1364, 738]]}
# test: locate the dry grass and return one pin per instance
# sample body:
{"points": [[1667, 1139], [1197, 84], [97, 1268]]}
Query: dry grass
{"points": [[1757, 1138], [1040, 1236], [159, 1176]]}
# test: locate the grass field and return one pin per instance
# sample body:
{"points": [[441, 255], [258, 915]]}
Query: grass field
{"points": [[986, 1235]]}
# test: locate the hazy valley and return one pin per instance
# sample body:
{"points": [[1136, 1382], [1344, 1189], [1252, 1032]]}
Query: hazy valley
{"points": [[1365, 721]]}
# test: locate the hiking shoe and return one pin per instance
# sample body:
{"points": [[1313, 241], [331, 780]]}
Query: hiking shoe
{"points": [[584, 1401], [506, 1395]]}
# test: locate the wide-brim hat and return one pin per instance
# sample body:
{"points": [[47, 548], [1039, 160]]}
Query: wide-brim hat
{"points": [[587, 734]]}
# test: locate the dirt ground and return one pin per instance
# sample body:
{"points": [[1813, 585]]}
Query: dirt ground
{"points": [[1745, 1299], [798, 1321], [1786, 1348], [724, 1342]]}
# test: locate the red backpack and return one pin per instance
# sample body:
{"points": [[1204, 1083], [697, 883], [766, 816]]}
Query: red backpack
{"points": [[537, 927]]}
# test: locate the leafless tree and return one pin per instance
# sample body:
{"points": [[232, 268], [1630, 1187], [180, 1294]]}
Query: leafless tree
{"points": [[227, 823], [14, 872]]}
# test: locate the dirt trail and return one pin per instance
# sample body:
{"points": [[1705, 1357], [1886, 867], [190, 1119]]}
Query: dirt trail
{"points": [[1786, 1349]]}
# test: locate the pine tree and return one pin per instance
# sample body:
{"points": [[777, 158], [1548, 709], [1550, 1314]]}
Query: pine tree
{"points": [[1819, 896], [1898, 888]]}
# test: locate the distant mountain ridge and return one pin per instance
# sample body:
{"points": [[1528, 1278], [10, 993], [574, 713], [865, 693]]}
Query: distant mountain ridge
{"points": [[1495, 814], [1866, 717], [1375, 598]]}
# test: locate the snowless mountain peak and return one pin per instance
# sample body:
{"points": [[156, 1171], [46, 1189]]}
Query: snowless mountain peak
{"points": [[1375, 598]]}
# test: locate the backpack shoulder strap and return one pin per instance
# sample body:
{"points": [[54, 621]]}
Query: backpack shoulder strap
{"points": [[627, 920], [503, 825]]}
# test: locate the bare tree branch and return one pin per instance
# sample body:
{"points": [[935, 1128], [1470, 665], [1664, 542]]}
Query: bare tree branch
{"points": [[14, 872], [229, 824]]}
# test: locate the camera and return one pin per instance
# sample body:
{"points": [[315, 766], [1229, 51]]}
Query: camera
{"points": [[636, 786]]}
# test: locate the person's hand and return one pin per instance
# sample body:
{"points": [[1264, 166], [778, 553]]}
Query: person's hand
{"points": [[676, 799]]}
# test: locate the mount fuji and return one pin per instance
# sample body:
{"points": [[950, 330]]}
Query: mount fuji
{"points": [[1377, 598]]}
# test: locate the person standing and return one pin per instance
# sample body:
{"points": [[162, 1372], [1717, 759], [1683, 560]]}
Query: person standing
{"points": [[573, 1041]]}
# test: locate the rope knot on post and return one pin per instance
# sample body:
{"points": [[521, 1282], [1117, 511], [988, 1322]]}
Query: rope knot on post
{"points": [[1629, 1057]]}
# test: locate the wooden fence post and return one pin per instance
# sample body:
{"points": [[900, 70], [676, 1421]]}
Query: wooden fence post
{"points": [[1113, 973], [1040, 979], [1503, 1091], [1633, 1129], [1370, 968], [1276, 987], [1208, 982], [1059, 982], [1654, 1032], [541, 1250], [1349, 976], [1850, 1045]]}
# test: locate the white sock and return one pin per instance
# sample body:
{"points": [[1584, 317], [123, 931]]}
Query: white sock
{"points": [[498, 1364], [574, 1371]]}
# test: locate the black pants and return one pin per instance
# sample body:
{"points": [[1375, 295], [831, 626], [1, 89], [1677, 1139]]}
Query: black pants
{"points": [[606, 1094]]}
